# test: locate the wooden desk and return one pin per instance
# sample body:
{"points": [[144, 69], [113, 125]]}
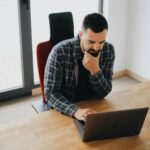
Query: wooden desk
{"points": [[53, 131]]}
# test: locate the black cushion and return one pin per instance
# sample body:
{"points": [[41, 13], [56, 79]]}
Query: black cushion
{"points": [[61, 26]]}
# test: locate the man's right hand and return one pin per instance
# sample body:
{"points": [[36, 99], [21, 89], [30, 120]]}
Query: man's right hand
{"points": [[81, 114]]}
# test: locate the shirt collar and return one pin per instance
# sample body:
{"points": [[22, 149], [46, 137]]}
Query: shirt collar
{"points": [[78, 54]]}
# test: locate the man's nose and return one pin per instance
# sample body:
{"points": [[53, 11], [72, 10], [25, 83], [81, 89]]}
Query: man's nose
{"points": [[96, 46]]}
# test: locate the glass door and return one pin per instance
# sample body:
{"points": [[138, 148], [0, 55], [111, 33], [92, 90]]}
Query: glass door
{"points": [[16, 76], [24, 24], [10, 49], [40, 23]]}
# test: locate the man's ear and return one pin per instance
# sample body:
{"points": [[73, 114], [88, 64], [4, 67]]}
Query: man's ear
{"points": [[80, 34]]}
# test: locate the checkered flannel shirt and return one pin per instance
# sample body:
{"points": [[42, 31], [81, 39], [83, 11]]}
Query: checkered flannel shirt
{"points": [[61, 75]]}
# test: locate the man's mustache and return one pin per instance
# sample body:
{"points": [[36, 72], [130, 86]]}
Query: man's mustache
{"points": [[93, 52]]}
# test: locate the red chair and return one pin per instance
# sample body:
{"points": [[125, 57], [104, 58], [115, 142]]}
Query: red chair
{"points": [[61, 28]]}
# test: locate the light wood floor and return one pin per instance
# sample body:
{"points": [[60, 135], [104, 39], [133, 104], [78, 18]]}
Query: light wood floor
{"points": [[21, 108]]}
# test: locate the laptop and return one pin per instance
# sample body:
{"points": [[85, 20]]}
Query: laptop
{"points": [[104, 125]]}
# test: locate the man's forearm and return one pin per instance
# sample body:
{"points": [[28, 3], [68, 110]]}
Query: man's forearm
{"points": [[100, 85], [63, 105]]}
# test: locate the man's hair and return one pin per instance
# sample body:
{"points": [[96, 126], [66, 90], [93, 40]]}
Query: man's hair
{"points": [[96, 22]]}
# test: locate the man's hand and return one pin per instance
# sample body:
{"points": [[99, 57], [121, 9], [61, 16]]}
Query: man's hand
{"points": [[81, 114], [91, 63]]}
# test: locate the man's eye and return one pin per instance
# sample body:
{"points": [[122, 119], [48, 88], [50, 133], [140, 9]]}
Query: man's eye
{"points": [[91, 42], [102, 42]]}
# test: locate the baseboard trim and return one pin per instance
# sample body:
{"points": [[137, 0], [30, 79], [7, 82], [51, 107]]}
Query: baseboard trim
{"points": [[116, 75], [135, 76], [119, 74], [130, 74]]}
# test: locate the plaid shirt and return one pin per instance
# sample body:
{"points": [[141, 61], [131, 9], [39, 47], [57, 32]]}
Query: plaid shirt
{"points": [[61, 75]]}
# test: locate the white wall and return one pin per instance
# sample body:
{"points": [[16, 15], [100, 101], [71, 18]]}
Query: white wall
{"points": [[129, 32], [116, 12], [138, 55]]}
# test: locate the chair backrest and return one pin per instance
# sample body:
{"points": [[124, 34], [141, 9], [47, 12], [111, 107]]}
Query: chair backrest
{"points": [[61, 28]]}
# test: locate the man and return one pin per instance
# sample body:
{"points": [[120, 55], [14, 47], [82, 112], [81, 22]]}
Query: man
{"points": [[80, 68]]}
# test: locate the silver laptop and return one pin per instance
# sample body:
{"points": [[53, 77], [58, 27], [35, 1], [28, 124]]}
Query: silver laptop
{"points": [[113, 124]]}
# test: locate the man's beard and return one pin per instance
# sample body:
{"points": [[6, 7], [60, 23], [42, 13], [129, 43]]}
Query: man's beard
{"points": [[93, 52]]}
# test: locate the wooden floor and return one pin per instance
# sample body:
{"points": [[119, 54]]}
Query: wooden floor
{"points": [[21, 108]]}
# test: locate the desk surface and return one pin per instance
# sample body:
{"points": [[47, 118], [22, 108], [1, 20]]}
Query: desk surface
{"points": [[54, 131]]}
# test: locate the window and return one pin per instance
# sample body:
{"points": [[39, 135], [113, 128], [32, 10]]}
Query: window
{"points": [[40, 23]]}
